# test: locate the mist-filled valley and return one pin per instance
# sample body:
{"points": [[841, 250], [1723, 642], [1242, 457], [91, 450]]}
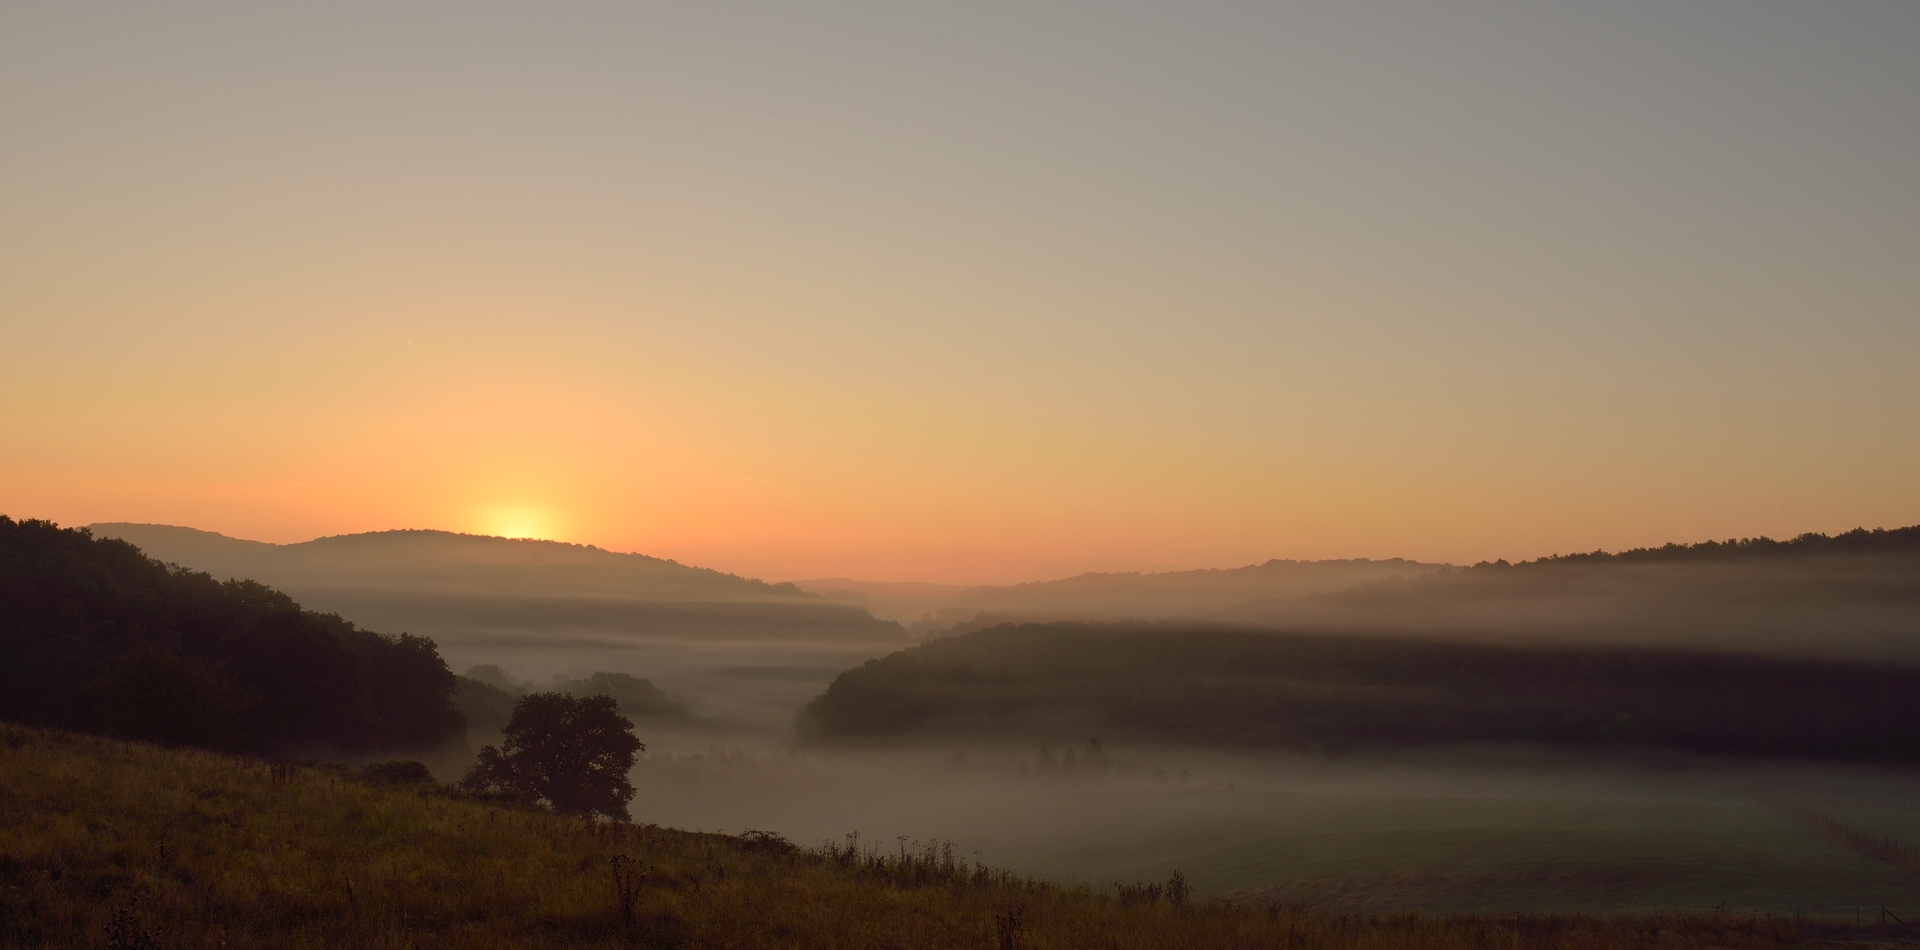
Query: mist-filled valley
{"points": [[1474, 830], [742, 653], [1646, 731]]}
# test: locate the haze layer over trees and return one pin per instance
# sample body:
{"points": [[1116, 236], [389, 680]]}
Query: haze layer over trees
{"points": [[1130, 595], [736, 653], [1177, 594], [1802, 648], [1854, 595]]}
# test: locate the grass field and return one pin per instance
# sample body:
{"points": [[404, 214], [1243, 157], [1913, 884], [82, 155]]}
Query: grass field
{"points": [[108, 844]]}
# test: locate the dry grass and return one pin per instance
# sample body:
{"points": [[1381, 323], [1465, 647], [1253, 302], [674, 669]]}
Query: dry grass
{"points": [[110, 844]]}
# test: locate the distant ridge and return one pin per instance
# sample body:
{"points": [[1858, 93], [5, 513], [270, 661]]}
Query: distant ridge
{"points": [[452, 584], [1168, 595], [1226, 687], [1858, 541], [434, 535], [423, 551], [1853, 595]]}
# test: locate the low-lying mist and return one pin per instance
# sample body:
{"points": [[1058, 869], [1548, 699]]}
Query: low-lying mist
{"points": [[742, 654], [1535, 829]]}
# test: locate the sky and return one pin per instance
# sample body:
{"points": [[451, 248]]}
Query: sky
{"points": [[974, 293]]}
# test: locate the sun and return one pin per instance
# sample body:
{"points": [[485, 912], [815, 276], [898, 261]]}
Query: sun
{"points": [[519, 523]]}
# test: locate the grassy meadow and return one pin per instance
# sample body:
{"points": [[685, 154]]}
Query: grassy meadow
{"points": [[111, 844]]}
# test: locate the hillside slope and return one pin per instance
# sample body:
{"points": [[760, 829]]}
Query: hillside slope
{"points": [[441, 583], [1225, 687], [1854, 595], [105, 843], [96, 636], [1135, 596], [1128, 595]]}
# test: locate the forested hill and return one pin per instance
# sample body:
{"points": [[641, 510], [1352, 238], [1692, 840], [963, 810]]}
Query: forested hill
{"points": [[1852, 595], [96, 636], [444, 560], [452, 585], [1877, 542], [1696, 592], [1218, 686]]}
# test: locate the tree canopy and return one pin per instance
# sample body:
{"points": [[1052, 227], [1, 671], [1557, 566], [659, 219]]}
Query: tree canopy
{"points": [[571, 752], [96, 636], [1224, 686]]}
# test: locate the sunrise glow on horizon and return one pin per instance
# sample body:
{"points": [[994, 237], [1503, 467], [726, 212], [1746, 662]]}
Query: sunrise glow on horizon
{"points": [[976, 295]]}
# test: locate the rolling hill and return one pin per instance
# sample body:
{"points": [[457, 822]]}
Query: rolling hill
{"points": [[1183, 684], [1854, 595], [439, 583], [1128, 595]]}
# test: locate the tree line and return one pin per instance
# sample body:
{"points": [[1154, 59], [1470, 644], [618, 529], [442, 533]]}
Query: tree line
{"points": [[1882, 541], [1223, 686], [96, 636]]}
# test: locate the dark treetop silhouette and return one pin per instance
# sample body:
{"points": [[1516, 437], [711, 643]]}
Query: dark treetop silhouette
{"points": [[96, 636], [571, 752], [1222, 686]]}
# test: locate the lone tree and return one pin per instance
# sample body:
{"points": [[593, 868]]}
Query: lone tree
{"points": [[571, 752]]}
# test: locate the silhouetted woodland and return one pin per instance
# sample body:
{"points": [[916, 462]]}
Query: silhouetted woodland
{"points": [[1234, 687], [96, 636]]}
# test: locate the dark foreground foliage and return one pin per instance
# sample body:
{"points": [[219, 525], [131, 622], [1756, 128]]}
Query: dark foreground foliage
{"points": [[1235, 687], [96, 636], [110, 844]]}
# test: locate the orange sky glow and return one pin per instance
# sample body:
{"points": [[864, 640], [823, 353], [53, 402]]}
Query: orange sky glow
{"points": [[826, 296]]}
